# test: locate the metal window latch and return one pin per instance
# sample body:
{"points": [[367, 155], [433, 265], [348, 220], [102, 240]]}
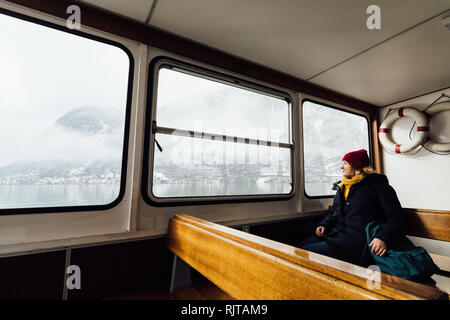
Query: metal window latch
{"points": [[158, 145], [154, 128]]}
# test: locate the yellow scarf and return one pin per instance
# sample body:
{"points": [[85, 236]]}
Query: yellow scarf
{"points": [[347, 183]]}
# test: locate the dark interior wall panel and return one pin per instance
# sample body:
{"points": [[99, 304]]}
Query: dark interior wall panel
{"points": [[119, 268], [289, 232], [114, 269], [33, 276]]}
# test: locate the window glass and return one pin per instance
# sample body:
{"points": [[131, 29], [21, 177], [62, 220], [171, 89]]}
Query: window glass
{"points": [[198, 166], [63, 101], [190, 102], [328, 134]]}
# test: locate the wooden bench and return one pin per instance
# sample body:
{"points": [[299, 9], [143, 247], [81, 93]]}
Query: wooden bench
{"points": [[249, 267], [435, 225], [431, 224]]}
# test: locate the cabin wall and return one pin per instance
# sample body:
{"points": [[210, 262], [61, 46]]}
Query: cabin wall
{"points": [[123, 248], [133, 217], [307, 205], [420, 179], [132, 214], [28, 228], [154, 217]]}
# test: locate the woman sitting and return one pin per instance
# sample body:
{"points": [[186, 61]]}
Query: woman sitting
{"points": [[361, 197]]}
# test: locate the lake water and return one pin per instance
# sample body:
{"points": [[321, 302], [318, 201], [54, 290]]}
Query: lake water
{"points": [[319, 189], [219, 189], [29, 196]]}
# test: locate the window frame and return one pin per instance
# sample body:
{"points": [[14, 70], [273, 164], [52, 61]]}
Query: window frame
{"points": [[125, 145], [303, 142], [157, 64]]}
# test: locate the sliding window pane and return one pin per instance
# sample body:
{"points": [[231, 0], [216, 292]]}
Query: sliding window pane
{"points": [[328, 134], [190, 167], [194, 103]]}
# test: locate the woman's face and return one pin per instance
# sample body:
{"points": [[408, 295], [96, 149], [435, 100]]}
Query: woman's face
{"points": [[347, 169]]}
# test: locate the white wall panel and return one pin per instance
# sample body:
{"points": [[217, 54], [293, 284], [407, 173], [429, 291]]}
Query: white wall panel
{"points": [[422, 180]]}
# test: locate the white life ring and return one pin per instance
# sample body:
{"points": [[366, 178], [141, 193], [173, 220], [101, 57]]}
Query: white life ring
{"points": [[431, 144], [384, 133]]}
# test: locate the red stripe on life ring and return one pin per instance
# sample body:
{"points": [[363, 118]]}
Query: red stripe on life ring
{"points": [[397, 148], [423, 129], [384, 130], [400, 112]]}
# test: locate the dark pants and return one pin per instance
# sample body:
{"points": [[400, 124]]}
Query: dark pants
{"points": [[317, 245]]}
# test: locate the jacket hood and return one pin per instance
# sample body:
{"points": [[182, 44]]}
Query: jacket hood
{"points": [[376, 177]]}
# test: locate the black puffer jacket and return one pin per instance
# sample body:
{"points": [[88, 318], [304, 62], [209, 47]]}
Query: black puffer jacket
{"points": [[371, 199]]}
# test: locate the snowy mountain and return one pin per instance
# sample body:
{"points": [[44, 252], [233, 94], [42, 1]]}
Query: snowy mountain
{"points": [[61, 172], [92, 120], [84, 146]]}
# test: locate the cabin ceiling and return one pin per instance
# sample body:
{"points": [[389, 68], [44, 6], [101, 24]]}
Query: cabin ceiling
{"points": [[325, 42]]}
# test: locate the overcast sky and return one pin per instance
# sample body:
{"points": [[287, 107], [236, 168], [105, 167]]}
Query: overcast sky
{"points": [[194, 103]]}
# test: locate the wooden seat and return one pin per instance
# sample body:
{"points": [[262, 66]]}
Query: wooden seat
{"points": [[246, 266]]}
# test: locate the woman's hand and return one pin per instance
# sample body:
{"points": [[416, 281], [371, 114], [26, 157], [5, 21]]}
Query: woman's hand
{"points": [[378, 246], [320, 231]]}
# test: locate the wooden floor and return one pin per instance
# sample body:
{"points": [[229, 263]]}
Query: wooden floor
{"points": [[155, 293], [206, 290], [202, 289], [442, 278], [162, 293]]}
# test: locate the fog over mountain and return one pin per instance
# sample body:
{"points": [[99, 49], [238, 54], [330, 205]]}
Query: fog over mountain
{"points": [[84, 146], [92, 120]]}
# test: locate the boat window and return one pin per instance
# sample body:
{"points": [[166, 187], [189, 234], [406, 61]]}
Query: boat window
{"points": [[63, 103], [218, 137], [328, 134]]}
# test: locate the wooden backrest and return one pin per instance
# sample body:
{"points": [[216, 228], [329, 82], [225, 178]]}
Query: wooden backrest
{"points": [[432, 224], [425, 223], [249, 267]]}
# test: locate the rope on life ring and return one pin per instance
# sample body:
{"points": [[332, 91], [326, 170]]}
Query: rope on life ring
{"points": [[384, 133], [433, 145]]}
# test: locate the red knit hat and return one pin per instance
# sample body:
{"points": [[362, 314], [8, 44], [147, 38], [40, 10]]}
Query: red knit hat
{"points": [[358, 159]]}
